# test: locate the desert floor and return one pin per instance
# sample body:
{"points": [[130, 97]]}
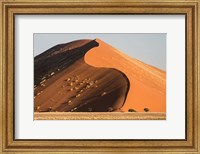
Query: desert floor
{"points": [[100, 116]]}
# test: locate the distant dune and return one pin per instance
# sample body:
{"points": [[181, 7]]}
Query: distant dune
{"points": [[147, 83], [92, 76]]}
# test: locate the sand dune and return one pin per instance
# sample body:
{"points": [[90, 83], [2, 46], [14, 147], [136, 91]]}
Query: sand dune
{"points": [[92, 76], [65, 83], [147, 83]]}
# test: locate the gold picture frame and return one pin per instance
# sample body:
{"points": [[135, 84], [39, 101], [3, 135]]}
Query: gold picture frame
{"points": [[189, 8]]}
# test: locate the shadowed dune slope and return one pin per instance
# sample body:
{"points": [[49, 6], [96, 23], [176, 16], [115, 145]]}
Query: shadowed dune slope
{"points": [[147, 83], [64, 82]]}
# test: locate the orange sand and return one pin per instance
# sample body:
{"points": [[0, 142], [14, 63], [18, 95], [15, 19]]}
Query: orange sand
{"points": [[147, 83]]}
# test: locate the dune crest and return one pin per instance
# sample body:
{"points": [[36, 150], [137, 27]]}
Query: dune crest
{"points": [[147, 83]]}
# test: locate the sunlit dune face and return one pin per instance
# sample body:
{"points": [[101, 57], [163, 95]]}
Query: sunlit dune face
{"points": [[147, 83]]}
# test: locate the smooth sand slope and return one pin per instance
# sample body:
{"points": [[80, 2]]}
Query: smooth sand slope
{"points": [[147, 83]]}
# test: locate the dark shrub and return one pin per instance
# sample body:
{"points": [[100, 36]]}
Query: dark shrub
{"points": [[131, 110]]}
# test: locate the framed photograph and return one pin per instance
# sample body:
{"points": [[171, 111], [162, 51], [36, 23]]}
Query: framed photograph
{"points": [[99, 76], [88, 76]]}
